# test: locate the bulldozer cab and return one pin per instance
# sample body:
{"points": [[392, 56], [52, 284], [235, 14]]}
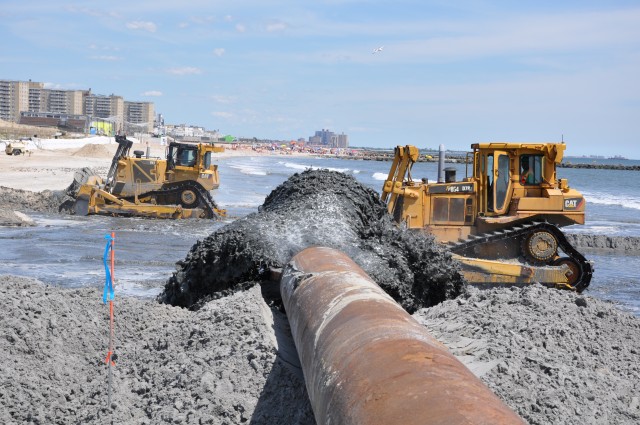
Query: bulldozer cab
{"points": [[507, 173], [182, 155], [496, 174], [186, 155]]}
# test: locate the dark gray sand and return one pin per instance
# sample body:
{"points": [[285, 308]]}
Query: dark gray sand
{"points": [[553, 356], [214, 366]]}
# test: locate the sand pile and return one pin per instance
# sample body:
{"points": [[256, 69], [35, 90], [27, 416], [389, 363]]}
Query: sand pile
{"points": [[214, 366], [93, 150], [26, 201], [19, 201], [14, 218], [554, 357], [324, 208]]}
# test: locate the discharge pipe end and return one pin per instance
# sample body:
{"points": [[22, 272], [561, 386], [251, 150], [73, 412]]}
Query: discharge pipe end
{"points": [[365, 360]]}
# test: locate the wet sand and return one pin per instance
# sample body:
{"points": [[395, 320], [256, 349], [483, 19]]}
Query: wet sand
{"points": [[555, 357]]}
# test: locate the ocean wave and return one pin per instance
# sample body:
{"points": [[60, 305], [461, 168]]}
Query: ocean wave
{"points": [[380, 176], [252, 170], [609, 199]]}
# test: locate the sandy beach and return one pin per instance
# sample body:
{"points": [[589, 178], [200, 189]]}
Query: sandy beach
{"points": [[218, 349], [52, 166]]}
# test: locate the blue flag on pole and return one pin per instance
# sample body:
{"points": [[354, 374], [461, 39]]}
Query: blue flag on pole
{"points": [[108, 294]]}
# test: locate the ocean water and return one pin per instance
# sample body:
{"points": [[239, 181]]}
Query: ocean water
{"points": [[67, 250]]}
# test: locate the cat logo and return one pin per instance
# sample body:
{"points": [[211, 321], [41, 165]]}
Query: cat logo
{"points": [[573, 203]]}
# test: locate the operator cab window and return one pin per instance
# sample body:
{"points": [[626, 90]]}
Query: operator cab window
{"points": [[530, 169], [186, 157], [489, 182], [502, 181]]}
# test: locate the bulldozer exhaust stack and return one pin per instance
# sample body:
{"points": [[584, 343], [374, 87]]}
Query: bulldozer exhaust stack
{"points": [[367, 361]]}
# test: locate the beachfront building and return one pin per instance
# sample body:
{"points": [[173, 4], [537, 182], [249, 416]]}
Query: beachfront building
{"points": [[329, 139], [15, 97], [138, 117], [191, 133], [28, 102], [106, 113], [66, 122]]}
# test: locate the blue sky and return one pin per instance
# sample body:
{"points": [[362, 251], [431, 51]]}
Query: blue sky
{"points": [[456, 74]]}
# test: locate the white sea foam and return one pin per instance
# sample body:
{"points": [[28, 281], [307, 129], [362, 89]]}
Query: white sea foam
{"points": [[62, 222], [248, 169], [380, 176], [609, 199], [594, 229]]}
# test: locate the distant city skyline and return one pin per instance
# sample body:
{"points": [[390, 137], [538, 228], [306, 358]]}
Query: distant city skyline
{"points": [[386, 73]]}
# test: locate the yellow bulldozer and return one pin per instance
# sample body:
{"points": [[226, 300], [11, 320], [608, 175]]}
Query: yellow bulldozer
{"points": [[177, 186], [502, 220]]}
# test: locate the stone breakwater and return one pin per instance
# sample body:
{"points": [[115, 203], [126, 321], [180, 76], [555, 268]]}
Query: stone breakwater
{"points": [[623, 244], [601, 166]]}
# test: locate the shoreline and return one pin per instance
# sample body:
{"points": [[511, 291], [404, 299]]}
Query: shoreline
{"points": [[53, 168]]}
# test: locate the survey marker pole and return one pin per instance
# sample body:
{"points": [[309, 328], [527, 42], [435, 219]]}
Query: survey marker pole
{"points": [[108, 295]]}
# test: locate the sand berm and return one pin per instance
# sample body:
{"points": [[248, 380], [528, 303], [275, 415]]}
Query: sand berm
{"points": [[217, 349]]}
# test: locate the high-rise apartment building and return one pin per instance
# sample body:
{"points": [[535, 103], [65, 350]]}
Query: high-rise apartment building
{"points": [[15, 97], [100, 106], [139, 117], [329, 139], [33, 103]]}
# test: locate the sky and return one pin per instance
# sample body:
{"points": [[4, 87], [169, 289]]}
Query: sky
{"points": [[451, 73]]}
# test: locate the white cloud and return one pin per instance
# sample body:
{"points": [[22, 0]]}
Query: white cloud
{"points": [[228, 18], [142, 25], [222, 99], [218, 51], [240, 28], [107, 58], [185, 70], [53, 86], [67, 86], [221, 114], [276, 26], [94, 46], [153, 93]]}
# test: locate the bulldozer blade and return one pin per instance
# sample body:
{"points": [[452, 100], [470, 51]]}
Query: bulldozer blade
{"points": [[81, 207]]}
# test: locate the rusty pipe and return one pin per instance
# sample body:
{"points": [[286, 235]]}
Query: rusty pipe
{"points": [[367, 361]]}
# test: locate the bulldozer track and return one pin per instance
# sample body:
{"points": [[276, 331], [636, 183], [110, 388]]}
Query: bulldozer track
{"points": [[521, 231], [173, 191]]}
